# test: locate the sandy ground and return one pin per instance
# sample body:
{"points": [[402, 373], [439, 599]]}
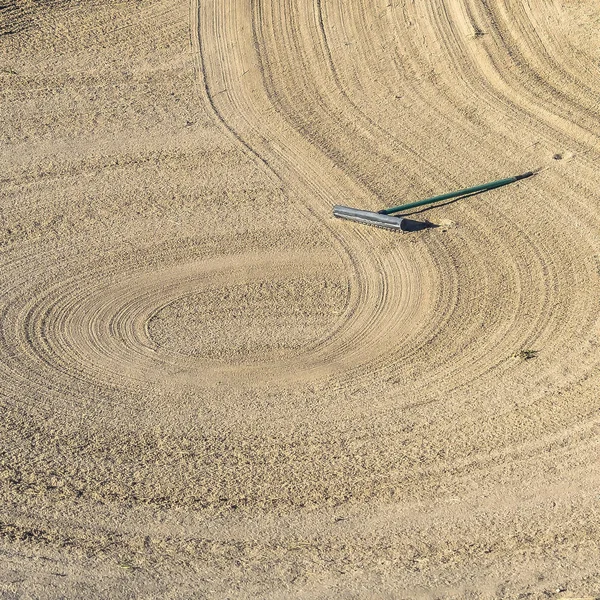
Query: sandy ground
{"points": [[210, 388]]}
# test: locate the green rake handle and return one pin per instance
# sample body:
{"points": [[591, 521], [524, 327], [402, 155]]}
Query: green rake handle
{"points": [[471, 190]]}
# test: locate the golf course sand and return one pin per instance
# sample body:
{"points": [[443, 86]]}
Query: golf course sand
{"points": [[212, 388]]}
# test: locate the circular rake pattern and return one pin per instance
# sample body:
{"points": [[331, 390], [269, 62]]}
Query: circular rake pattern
{"points": [[123, 329]]}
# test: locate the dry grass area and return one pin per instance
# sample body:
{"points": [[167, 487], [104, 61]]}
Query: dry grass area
{"points": [[210, 388]]}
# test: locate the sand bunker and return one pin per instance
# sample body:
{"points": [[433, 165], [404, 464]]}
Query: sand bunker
{"points": [[212, 388]]}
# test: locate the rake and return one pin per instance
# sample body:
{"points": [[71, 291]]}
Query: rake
{"points": [[384, 219]]}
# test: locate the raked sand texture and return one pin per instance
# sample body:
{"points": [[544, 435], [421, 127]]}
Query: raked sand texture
{"points": [[211, 388]]}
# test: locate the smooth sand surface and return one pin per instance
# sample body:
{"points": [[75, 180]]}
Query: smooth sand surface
{"points": [[211, 388]]}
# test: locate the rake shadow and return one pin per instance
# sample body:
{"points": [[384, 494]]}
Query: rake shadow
{"points": [[446, 203], [411, 225]]}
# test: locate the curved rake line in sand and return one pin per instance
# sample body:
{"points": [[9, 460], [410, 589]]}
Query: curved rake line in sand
{"points": [[429, 376], [378, 313], [462, 338], [436, 325], [500, 250], [387, 364], [467, 209], [464, 345], [324, 186], [95, 330], [542, 283]]}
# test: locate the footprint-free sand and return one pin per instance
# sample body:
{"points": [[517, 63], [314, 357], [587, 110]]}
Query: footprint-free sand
{"points": [[210, 387]]}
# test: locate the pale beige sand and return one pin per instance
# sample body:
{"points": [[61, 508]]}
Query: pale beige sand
{"points": [[210, 388]]}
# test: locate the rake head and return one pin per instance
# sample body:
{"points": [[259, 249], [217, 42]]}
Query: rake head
{"points": [[368, 218]]}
